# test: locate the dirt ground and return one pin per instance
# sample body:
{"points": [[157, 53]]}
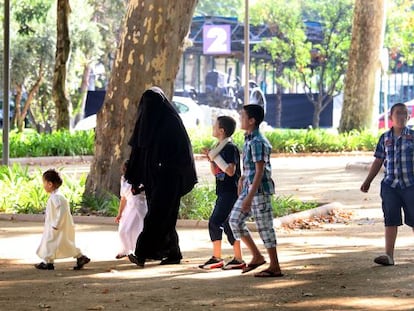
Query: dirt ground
{"points": [[327, 267]]}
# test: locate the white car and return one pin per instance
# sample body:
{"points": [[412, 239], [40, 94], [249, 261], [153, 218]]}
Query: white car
{"points": [[189, 111]]}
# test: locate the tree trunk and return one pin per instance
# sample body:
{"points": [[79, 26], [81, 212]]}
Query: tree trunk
{"points": [[359, 105], [31, 95], [149, 54], [83, 90], [62, 54], [317, 109]]}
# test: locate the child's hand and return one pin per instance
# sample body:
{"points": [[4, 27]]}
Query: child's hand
{"points": [[365, 187], [117, 219], [205, 151], [246, 205]]}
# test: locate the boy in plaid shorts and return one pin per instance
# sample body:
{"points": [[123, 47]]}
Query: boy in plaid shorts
{"points": [[255, 189], [395, 149]]}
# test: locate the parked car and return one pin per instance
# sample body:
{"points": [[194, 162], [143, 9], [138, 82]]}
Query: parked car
{"points": [[410, 123], [189, 111]]}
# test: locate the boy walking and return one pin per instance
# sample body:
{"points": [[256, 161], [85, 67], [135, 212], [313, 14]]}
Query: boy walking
{"points": [[225, 166], [256, 188], [58, 239], [395, 149]]}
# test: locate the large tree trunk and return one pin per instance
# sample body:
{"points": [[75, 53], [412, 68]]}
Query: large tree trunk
{"points": [[368, 28], [62, 54], [149, 54]]}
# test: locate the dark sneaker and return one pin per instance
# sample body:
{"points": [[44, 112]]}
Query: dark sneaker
{"points": [[80, 262], [45, 266], [234, 264], [212, 263], [134, 259], [384, 260]]}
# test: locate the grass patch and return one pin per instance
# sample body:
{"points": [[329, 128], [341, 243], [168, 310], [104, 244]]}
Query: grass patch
{"points": [[23, 193]]}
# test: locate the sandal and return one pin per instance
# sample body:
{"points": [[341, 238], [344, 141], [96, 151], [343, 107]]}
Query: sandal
{"points": [[268, 274], [252, 266]]}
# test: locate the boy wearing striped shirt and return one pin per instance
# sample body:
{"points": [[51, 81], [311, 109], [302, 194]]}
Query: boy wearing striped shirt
{"points": [[395, 150], [256, 188]]}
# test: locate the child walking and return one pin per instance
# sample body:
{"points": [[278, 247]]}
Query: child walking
{"points": [[256, 188], [395, 149], [225, 166], [131, 214], [58, 240]]}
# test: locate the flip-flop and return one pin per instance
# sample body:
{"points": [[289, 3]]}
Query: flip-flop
{"points": [[268, 274], [252, 266]]}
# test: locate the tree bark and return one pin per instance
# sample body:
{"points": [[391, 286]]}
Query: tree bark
{"points": [[149, 54], [368, 29], [62, 54]]}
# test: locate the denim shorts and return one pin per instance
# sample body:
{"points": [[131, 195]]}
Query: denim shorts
{"points": [[393, 201]]}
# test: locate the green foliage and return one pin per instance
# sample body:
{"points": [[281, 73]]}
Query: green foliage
{"points": [[317, 140], [285, 205], [22, 190], [199, 203], [23, 193], [228, 8], [399, 34], [104, 206], [61, 143]]}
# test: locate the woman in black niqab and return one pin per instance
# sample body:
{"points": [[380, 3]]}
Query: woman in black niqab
{"points": [[162, 160]]}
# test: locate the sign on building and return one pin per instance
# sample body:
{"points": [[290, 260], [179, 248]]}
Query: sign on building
{"points": [[216, 39]]}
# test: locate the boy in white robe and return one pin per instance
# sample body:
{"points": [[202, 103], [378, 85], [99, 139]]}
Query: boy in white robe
{"points": [[58, 240]]}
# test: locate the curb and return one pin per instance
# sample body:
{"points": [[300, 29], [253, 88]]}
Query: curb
{"points": [[181, 223]]}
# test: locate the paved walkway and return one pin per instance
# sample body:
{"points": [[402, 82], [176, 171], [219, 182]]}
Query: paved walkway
{"points": [[327, 268], [333, 180]]}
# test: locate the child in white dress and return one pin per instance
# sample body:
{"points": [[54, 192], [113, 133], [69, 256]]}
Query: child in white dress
{"points": [[58, 240], [131, 213]]}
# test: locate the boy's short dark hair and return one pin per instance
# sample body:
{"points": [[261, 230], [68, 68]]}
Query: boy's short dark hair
{"points": [[397, 105], [51, 175], [256, 112], [228, 124]]}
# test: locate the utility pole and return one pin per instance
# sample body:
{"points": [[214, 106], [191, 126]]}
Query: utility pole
{"points": [[6, 85]]}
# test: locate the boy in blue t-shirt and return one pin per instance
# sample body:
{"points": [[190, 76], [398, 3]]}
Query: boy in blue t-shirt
{"points": [[256, 188], [225, 166], [395, 149]]}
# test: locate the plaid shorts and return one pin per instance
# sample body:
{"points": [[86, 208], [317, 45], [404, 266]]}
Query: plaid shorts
{"points": [[262, 213]]}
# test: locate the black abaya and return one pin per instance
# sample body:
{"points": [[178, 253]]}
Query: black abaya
{"points": [[162, 160]]}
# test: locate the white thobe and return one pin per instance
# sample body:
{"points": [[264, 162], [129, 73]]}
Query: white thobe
{"points": [[58, 243]]}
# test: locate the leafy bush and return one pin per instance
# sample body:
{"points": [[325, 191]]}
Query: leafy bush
{"points": [[65, 143], [23, 193], [60, 143]]}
